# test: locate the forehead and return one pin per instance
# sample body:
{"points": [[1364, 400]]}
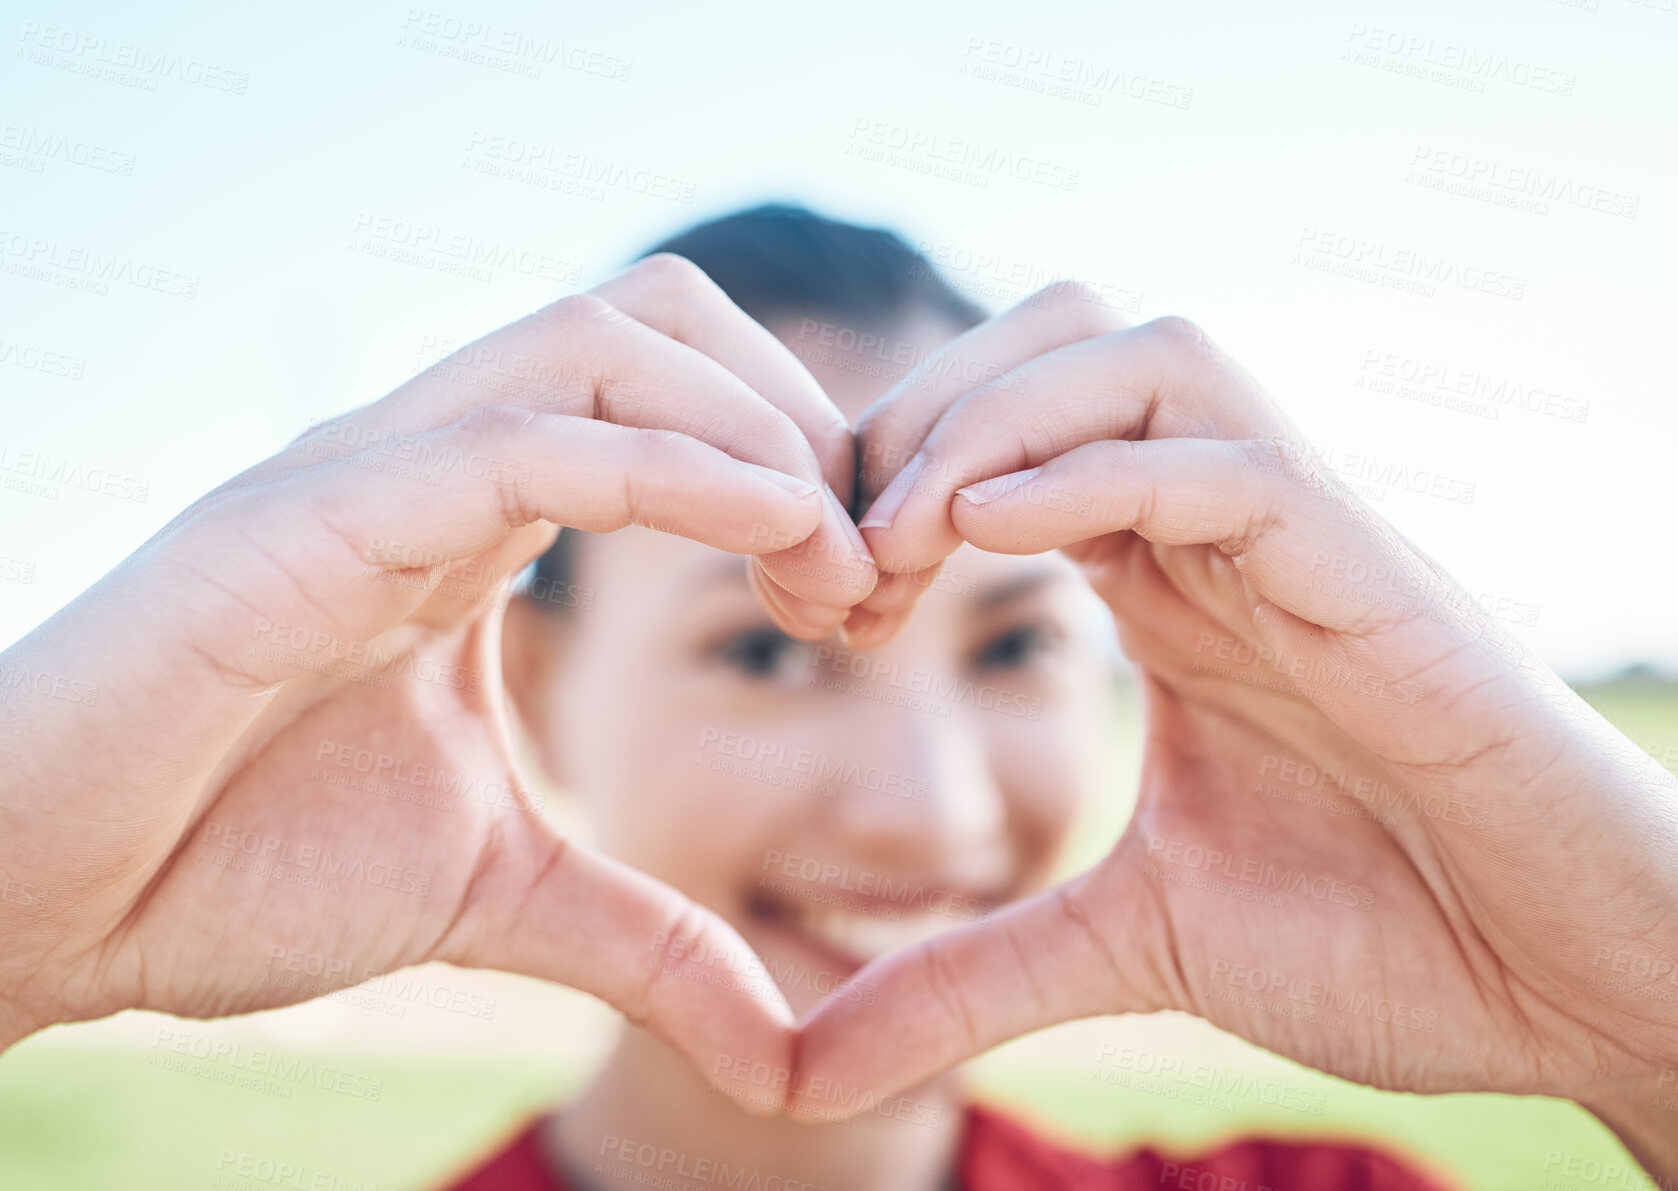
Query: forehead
{"points": [[855, 363]]}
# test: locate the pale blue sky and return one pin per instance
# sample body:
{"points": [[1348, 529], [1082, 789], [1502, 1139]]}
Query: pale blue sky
{"points": [[1301, 123]]}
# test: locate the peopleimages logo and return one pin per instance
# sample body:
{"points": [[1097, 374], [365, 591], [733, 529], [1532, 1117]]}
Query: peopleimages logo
{"points": [[260, 1068], [829, 771], [1032, 68], [1434, 382], [273, 856], [449, 783], [1450, 63], [897, 357], [240, 1170], [1323, 677], [92, 52], [720, 966], [642, 1162], [835, 1098], [1201, 1084], [1260, 874], [296, 644], [939, 689], [1302, 775], [44, 475], [50, 686], [556, 168], [928, 148], [30, 358], [484, 44], [1319, 994], [412, 242], [821, 876], [316, 975], [37, 147]]}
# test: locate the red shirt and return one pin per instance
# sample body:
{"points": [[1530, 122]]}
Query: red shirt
{"points": [[998, 1154]]}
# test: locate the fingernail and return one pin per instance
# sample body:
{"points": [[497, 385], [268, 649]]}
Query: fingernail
{"points": [[847, 526], [1000, 486], [885, 507], [786, 607], [770, 591], [799, 488]]}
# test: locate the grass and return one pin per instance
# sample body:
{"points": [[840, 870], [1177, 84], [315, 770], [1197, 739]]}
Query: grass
{"points": [[76, 1117], [98, 1120]]}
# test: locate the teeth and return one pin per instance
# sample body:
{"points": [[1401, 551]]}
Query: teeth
{"points": [[865, 936]]}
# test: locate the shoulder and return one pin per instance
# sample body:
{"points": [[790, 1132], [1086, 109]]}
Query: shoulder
{"points": [[1000, 1154]]}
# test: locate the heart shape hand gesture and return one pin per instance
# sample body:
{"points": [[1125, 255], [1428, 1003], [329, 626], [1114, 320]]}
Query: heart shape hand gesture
{"points": [[1478, 838]]}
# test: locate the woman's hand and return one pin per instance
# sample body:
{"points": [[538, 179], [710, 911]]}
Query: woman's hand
{"points": [[1373, 833], [274, 736]]}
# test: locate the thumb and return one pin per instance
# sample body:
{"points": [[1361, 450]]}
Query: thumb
{"points": [[543, 906], [1076, 951]]}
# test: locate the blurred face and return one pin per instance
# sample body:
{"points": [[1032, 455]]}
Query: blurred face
{"points": [[831, 805]]}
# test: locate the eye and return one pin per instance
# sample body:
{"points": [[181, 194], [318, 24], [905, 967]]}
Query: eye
{"points": [[762, 653], [1016, 648]]}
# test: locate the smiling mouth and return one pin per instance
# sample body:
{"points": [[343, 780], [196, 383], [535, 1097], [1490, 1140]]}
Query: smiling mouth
{"points": [[852, 932]]}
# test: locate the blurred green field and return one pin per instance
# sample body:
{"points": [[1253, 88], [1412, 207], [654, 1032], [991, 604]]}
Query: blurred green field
{"points": [[75, 1120], [75, 1116]]}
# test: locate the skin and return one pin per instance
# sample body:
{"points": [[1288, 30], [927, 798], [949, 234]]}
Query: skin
{"points": [[1195, 513], [180, 831], [972, 798], [1274, 617]]}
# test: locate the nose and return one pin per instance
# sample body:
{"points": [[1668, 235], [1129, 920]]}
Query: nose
{"points": [[917, 794]]}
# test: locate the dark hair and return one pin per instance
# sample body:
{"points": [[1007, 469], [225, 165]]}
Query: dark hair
{"points": [[777, 260]]}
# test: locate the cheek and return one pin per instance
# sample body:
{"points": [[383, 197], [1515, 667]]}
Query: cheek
{"points": [[694, 799], [1046, 769]]}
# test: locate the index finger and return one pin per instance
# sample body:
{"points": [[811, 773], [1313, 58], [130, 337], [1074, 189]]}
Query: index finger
{"points": [[673, 296], [892, 428], [891, 431], [1163, 379]]}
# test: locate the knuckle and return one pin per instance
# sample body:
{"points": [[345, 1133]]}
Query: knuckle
{"points": [[579, 308], [1289, 462], [686, 927], [1180, 334], [946, 984], [315, 432], [676, 272], [782, 432], [657, 438], [1080, 299], [1064, 289], [488, 422], [1117, 453]]}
